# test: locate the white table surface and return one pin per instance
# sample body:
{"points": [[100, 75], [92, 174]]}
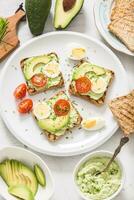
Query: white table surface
{"points": [[62, 168]]}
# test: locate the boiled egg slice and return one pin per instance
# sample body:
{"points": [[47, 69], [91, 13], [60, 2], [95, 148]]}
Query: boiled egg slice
{"points": [[41, 110], [98, 85], [76, 52], [93, 124], [51, 70]]}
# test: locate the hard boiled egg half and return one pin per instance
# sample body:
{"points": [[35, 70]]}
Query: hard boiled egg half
{"points": [[41, 110], [51, 70], [93, 124], [76, 52]]}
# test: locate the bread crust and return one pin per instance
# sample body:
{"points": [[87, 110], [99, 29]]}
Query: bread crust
{"points": [[33, 91], [52, 137], [98, 102]]}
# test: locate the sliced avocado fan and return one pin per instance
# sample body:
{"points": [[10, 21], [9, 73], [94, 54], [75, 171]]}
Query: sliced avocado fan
{"points": [[65, 12], [14, 173], [21, 191]]}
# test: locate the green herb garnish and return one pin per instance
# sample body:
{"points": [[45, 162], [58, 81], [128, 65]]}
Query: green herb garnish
{"points": [[3, 28]]}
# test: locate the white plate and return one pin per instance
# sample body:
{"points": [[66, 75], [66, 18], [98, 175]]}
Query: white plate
{"points": [[30, 159], [24, 127], [102, 10]]}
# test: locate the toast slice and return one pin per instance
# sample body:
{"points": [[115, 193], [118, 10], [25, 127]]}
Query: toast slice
{"points": [[123, 110], [121, 9], [54, 127], [123, 28], [93, 72], [34, 65]]}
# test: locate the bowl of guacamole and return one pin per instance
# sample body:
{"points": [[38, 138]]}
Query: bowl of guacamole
{"points": [[92, 185]]}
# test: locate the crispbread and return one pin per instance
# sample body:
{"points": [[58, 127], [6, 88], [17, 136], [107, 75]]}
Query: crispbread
{"points": [[123, 28], [122, 9], [33, 91], [123, 110], [51, 137], [87, 97]]}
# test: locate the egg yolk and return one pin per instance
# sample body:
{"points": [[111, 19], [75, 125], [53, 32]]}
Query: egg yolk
{"points": [[90, 124], [78, 52]]}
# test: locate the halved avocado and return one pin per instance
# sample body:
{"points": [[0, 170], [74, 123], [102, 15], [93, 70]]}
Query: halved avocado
{"points": [[62, 17], [21, 191], [53, 125], [14, 172], [40, 175]]}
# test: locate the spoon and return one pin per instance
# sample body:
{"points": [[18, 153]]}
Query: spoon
{"points": [[123, 141]]}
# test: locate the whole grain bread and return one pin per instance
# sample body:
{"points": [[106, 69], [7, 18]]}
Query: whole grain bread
{"points": [[123, 28], [33, 91], [123, 110], [98, 102]]}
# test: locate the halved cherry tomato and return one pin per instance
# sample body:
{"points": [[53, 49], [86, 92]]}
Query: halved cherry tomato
{"points": [[20, 91], [83, 85], [39, 80], [25, 106], [62, 107]]}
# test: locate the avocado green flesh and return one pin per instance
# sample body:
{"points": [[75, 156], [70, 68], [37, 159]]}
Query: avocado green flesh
{"points": [[40, 175], [86, 68], [99, 186], [92, 72], [54, 126], [14, 172], [61, 18], [34, 65], [37, 12], [58, 125], [21, 191]]}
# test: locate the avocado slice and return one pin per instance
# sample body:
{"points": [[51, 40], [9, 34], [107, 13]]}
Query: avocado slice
{"points": [[53, 125], [87, 68], [62, 17], [34, 65], [37, 12], [21, 191], [40, 175], [15, 172]]}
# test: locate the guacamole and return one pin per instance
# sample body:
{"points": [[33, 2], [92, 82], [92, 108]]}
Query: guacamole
{"points": [[102, 186]]}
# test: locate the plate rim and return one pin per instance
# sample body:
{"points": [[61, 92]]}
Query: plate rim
{"points": [[33, 147], [101, 30]]}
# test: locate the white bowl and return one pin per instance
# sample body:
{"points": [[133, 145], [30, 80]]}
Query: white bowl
{"points": [[86, 158], [30, 159]]}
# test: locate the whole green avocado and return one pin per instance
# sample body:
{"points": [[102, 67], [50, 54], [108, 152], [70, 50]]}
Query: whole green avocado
{"points": [[37, 12]]}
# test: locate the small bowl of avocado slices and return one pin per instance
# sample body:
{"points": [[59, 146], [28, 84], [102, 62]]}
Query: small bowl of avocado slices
{"points": [[24, 175], [91, 184]]}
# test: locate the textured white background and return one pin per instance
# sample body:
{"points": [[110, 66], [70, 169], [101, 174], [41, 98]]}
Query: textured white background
{"points": [[62, 168]]}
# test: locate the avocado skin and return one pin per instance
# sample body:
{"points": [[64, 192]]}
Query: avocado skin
{"points": [[60, 28], [37, 12]]}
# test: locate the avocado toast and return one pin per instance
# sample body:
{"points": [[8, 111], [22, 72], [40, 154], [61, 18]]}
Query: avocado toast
{"points": [[56, 115], [90, 82], [42, 73]]}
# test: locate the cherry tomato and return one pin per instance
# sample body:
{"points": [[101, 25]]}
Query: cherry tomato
{"points": [[39, 80], [61, 107], [25, 106], [20, 91], [83, 85]]}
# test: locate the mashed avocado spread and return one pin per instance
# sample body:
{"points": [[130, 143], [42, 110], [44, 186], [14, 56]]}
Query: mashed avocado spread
{"points": [[102, 186]]}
